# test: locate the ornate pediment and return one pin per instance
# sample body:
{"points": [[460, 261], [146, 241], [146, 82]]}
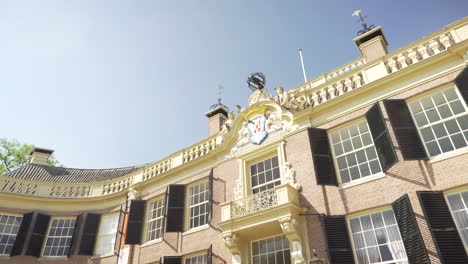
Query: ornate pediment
{"points": [[266, 115]]}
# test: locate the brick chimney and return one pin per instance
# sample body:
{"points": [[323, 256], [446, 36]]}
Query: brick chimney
{"points": [[372, 44], [40, 156], [216, 118]]}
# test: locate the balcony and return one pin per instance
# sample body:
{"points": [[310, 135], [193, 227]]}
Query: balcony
{"points": [[260, 208]]}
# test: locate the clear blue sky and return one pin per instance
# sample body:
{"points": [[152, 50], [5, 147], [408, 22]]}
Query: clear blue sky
{"points": [[120, 83]]}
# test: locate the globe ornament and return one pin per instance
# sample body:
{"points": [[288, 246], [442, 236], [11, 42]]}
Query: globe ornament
{"points": [[256, 81]]}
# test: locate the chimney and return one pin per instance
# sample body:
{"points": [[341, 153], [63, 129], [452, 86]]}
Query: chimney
{"points": [[372, 44], [217, 115], [40, 156]]}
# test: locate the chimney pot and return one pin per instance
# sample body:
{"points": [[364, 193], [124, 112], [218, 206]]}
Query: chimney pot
{"points": [[372, 44]]}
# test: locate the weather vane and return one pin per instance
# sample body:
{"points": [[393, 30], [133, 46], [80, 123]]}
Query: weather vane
{"points": [[220, 93], [366, 28]]}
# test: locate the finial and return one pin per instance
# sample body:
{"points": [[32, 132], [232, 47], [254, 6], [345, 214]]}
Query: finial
{"points": [[366, 28]]}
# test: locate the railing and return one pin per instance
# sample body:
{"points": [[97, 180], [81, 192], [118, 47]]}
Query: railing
{"points": [[316, 92], [254, 203], [419, 53], [344, 69], [156, 169], [199, 150], [259, 202]]}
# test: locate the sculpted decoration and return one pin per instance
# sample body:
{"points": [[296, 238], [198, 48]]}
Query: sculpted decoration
{"points": [[290, 176], [288, 225]]}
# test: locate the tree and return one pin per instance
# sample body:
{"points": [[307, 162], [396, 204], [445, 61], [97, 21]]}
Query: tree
{"points": [[14, 155]]}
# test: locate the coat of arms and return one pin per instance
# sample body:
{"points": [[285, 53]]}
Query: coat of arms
{"points": [[257, 129]]}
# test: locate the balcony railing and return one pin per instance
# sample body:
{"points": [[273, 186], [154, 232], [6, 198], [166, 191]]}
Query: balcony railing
{"points": [[259, 202]]}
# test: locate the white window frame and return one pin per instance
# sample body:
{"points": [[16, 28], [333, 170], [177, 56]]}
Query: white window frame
{"points": [[459, 192], [369, 213], [250, 164], [161, 199], [44, 246], [266, 238], [430, 94], [99, 235], [369, 177], [2, 229], [203, 254], [189, 204]]}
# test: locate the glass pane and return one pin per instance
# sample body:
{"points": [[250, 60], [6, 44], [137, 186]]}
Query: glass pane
{"points": [[427, 103], [421, 119], [363, 127], [355, 225], [364, 168], [354, 171], [335, 136], [341, 162], [351, 159], [415, 107], [457, 107], [353, 130], [427, 134], [393, 234], [385, 253], [366, 139], [344, 176], [338, 149], [374, 255], [366, 222], [461, 218], [344, 134], [381, 235], [444, 111], [347, 146], [362, 256], [439, 130], [458, 140], [358, 240], [450, 94], [377, 220], [361, 156], [357, 142], [375, 166], [452, 126], [433, 116], [463, 122], [445, 144], [438, 98], [433, 148], [389, 217], [371, 153]]}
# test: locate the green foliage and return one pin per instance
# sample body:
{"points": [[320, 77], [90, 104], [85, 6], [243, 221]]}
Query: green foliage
{"points": [[14, 155]]}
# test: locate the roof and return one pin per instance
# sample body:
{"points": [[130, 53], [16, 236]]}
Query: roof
{"points": [[45, 173]]}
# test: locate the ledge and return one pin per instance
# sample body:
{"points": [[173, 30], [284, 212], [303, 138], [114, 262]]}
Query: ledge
{"points": [[196, 229], [449, 155], [367, 179]]}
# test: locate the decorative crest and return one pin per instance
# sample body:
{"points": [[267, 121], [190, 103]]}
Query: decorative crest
{"points": [[366, 28], [256, 81]]}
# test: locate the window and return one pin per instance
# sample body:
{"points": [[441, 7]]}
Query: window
{"points": [[9, 226], [105, 240], [376, 238], [273, 250], [199, 199], [200, 259], [354, 152], [458, 204], [265, 175], [155, 219], [442, 121], [59, 237]]}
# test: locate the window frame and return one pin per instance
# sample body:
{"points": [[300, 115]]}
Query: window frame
{"points": [[370, 212], [188, 204], [256, 161], [431, 92], [446, 194], [46, 237], [98, 231], [361, 180], [145, 229], [266, 238], [269, 150], [194, 254], [14, 215]]}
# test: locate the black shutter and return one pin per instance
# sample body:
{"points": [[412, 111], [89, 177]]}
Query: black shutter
{"points": [[136, 219], [339, 246], [76, 233], [443, 229], [23, 231], [37, 236], [173, 260], [382, 142], [321, 154], [210, 204], [90, 230], [209, 255], [405, 130], [175, 208], [462, 83], [409, 230]]}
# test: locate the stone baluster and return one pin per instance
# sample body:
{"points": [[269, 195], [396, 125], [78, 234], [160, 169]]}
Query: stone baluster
{"points": [[434, 46], [348, 83], [330, 92], [422, 49], [392, 65], [401, 59], [413, 56], [357, 80], [323, 95]]}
